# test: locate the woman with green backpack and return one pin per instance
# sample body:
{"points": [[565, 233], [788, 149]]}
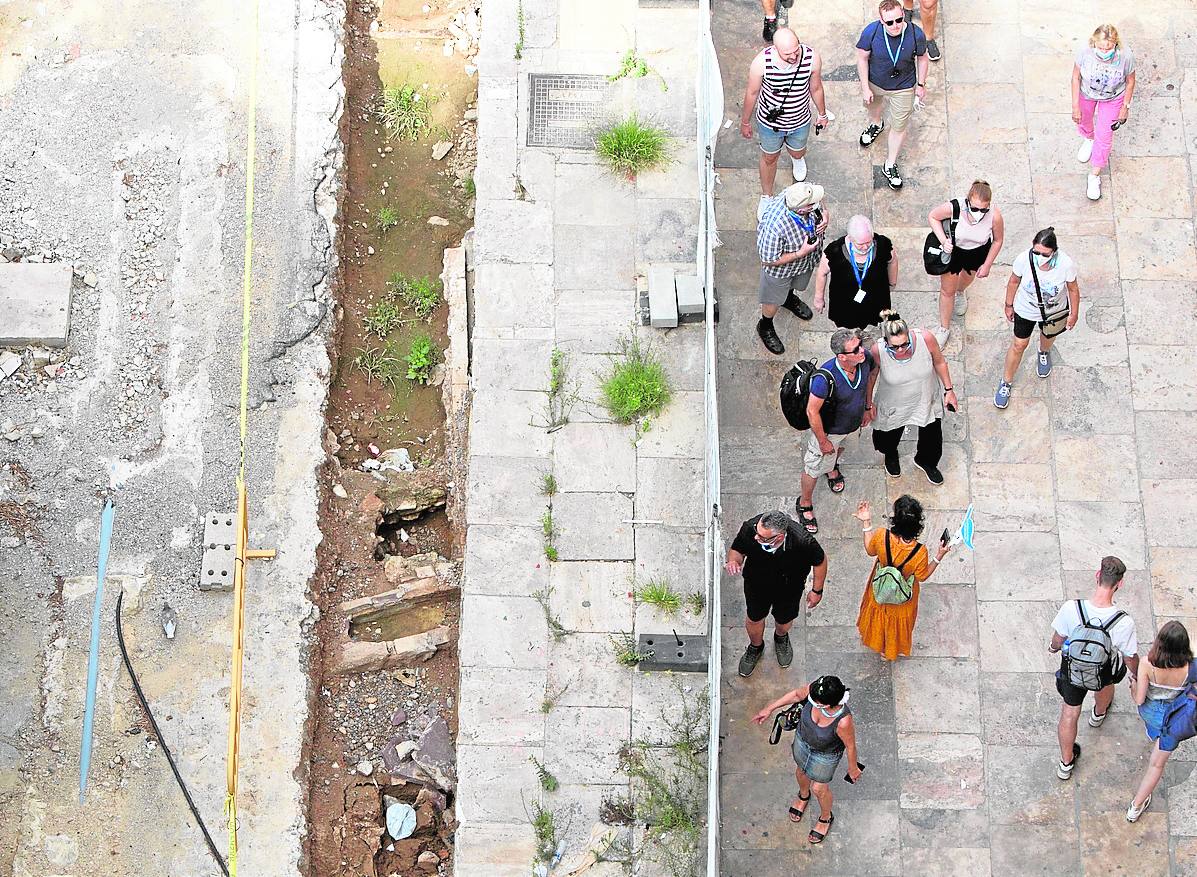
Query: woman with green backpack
{"points": [[890, 604]]}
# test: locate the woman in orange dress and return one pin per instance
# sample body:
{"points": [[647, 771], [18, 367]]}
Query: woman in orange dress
{"points": [[888, 628]]}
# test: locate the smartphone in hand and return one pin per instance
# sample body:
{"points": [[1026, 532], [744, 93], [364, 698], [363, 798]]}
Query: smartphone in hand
{"points": [[945, 537], [848, 776]]}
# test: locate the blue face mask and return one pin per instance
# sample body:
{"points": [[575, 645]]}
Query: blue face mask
{"points": [[1105, 56]]}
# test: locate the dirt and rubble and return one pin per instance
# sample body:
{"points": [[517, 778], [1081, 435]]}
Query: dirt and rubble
{"points": [[386, 712]]}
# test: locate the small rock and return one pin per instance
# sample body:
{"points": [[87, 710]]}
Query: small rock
{"points": [[365, 768], [441, 149], [340, 491], [41, 357], [90, 279], [399, 716], [437, 220], [428, 860], [369, 251], [9, 363], [471, 115], [10, 541]]}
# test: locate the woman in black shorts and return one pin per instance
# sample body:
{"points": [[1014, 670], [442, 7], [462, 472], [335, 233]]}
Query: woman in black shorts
{"points": [[979, 234]]}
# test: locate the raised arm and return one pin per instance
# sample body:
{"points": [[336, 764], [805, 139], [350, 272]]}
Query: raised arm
{"points": [[794, 696]]}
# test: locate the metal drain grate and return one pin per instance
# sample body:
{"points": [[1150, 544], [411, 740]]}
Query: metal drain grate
{"points": [[565, 108]]}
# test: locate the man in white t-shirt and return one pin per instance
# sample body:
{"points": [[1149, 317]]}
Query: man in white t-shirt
{"points": [[1042, 291], [1098, 609]]}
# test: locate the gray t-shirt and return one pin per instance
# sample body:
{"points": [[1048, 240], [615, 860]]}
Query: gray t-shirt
{"points": [[1104, 80]]}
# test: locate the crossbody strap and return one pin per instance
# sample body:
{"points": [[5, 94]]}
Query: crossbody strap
{"points": [[781, 108], [1038, 290], [955, 220]]}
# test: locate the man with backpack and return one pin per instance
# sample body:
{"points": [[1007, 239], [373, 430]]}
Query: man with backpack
{"points": [[1098, 645]]}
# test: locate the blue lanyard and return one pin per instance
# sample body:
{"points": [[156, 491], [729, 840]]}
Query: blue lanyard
{"points": [[893, 56], [809, 229], [858, 273]]}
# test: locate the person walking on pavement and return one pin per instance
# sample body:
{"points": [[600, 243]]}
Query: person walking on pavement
{"points": [[910, 387], [891, 61], [775, 557], [789, 239], [888, 627], [784, 79], [973, 245], [1162, 678], [824, 732], [769, 7], [1103, 83], [928, 11], [834, 414], [1042, 291], [856, 276], [1098, 644]]}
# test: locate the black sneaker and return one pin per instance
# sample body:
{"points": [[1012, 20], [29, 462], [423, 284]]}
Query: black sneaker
{"points": [[933, 474], [893, 175], [870, 134], [933, 53], [769, 29], [769, 337], [798, 307], [1063, 771], [783, 649], [752, 654], [893, 468]]}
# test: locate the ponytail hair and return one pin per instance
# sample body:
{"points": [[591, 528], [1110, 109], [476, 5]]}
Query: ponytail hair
{"points": [[1046, 237], [892, 324]]}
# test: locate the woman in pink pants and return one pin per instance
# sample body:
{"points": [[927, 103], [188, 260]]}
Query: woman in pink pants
{"points": [[1103, 81]]}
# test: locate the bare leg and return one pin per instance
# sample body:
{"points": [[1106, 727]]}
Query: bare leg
{"points": [[756, 631], [947, 297], [768, 172], [769, 7], [964, 280], [876, 108], [1014, 356], [929, 9], [1045, 344], [769, 311], [804, 783], [1066, 730], [1155, 770], [808, 490], [1103, 698], [823, 796], [896, 139]]}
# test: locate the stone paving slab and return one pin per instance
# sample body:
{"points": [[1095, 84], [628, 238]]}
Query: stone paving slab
{"points": [[35, 299]]}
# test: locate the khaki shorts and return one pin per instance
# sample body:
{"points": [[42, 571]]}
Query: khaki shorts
{"points": [[814, 461], [901, 105]]}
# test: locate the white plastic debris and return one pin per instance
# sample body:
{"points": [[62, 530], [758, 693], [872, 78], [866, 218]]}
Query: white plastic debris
{"points": [[401, 820]]}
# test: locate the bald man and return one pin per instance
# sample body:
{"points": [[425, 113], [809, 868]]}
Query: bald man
{"points": [[783, 81]]}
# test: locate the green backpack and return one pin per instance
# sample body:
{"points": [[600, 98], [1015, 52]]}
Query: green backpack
{"points": [[889, 584]]}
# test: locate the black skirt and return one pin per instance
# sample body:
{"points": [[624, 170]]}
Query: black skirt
{"points": [[968, 260]]}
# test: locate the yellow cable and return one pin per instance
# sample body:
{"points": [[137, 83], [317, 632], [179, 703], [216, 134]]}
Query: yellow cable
{"points": [[234, 745]]}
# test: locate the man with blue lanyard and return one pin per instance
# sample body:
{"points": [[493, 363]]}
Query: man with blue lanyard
{"points": [[891, 61], [789, 241]]}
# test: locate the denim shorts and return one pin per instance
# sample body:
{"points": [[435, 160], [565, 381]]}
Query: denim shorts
{"points": [[1152, 713], [772, 141], [818, 766]]}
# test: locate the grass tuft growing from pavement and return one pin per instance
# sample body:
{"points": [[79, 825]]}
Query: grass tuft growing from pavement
{"points": [[630, 146], [636, 385], [659, 594]]}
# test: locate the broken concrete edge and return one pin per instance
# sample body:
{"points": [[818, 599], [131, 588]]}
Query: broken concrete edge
{"points": [[365, 657], [420, 591], [455, 389]]}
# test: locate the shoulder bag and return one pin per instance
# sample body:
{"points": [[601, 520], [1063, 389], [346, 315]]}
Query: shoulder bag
{"points": [[1054, 325], [933, 255]]}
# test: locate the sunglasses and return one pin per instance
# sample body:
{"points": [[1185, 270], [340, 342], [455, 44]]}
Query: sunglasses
{"points": [[888, 23], [858, 349], [765, 540], [1044, 255], [981, 210], [905, 345]]}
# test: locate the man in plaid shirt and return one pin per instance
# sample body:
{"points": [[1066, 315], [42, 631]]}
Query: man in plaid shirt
{"points": [[789, 241]]}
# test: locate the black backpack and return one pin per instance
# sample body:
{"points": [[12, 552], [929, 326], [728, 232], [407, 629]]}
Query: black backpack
{"points": [[795, 391]]}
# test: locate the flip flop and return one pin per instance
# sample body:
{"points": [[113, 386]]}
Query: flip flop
{"points": [[796, 814], [836, 482], [806, 514], [816, 837]]}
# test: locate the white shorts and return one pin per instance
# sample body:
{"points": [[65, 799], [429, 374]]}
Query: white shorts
{"points": [[814, 461]]}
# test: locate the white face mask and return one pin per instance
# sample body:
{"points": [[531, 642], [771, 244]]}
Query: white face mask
{"points": [[769, 547]]}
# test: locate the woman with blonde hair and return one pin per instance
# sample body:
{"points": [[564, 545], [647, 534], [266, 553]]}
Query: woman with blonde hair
{"points": [[1103, 83], [973, 239], [911, 386], [1162, 678]]}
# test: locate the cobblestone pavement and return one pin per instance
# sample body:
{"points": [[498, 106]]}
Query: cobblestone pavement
{"points": [[959, 740]]}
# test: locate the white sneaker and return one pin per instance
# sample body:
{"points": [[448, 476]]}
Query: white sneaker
{"points": [[1086, 150], [799, 170], [761, 206], [1133, 813], [1093, 190], [941, 335], [960, 305]]}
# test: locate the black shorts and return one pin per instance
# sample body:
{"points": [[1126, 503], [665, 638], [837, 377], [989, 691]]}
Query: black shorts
{"points": [[968, 261], [1023, 328], [762, 597], [1074, 696]]}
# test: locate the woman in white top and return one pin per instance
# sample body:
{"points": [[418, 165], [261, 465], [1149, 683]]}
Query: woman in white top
{"points": [[910, 387], [979, 235], [1161, 679], [1042, 291], [1103, 82]]}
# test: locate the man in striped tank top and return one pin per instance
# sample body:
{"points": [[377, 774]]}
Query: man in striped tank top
{"points": [[782, 82]]}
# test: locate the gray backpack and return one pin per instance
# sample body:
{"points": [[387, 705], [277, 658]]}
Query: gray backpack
{"points": [[1090, 658]]}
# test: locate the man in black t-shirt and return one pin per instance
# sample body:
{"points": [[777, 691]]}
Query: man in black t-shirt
{"points": [[775, 556]]}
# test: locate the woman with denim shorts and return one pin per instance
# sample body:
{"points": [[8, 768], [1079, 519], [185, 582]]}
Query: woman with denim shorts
{"points": [[1162, 678], [824, 732]]}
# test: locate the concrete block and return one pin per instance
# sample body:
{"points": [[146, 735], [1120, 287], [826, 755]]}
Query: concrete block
{"points": [[681, 653], [662, 297], [690, 296], [35, 299], [220, 549]]}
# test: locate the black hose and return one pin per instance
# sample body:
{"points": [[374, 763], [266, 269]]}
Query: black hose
{"points": [[120, 639]]}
